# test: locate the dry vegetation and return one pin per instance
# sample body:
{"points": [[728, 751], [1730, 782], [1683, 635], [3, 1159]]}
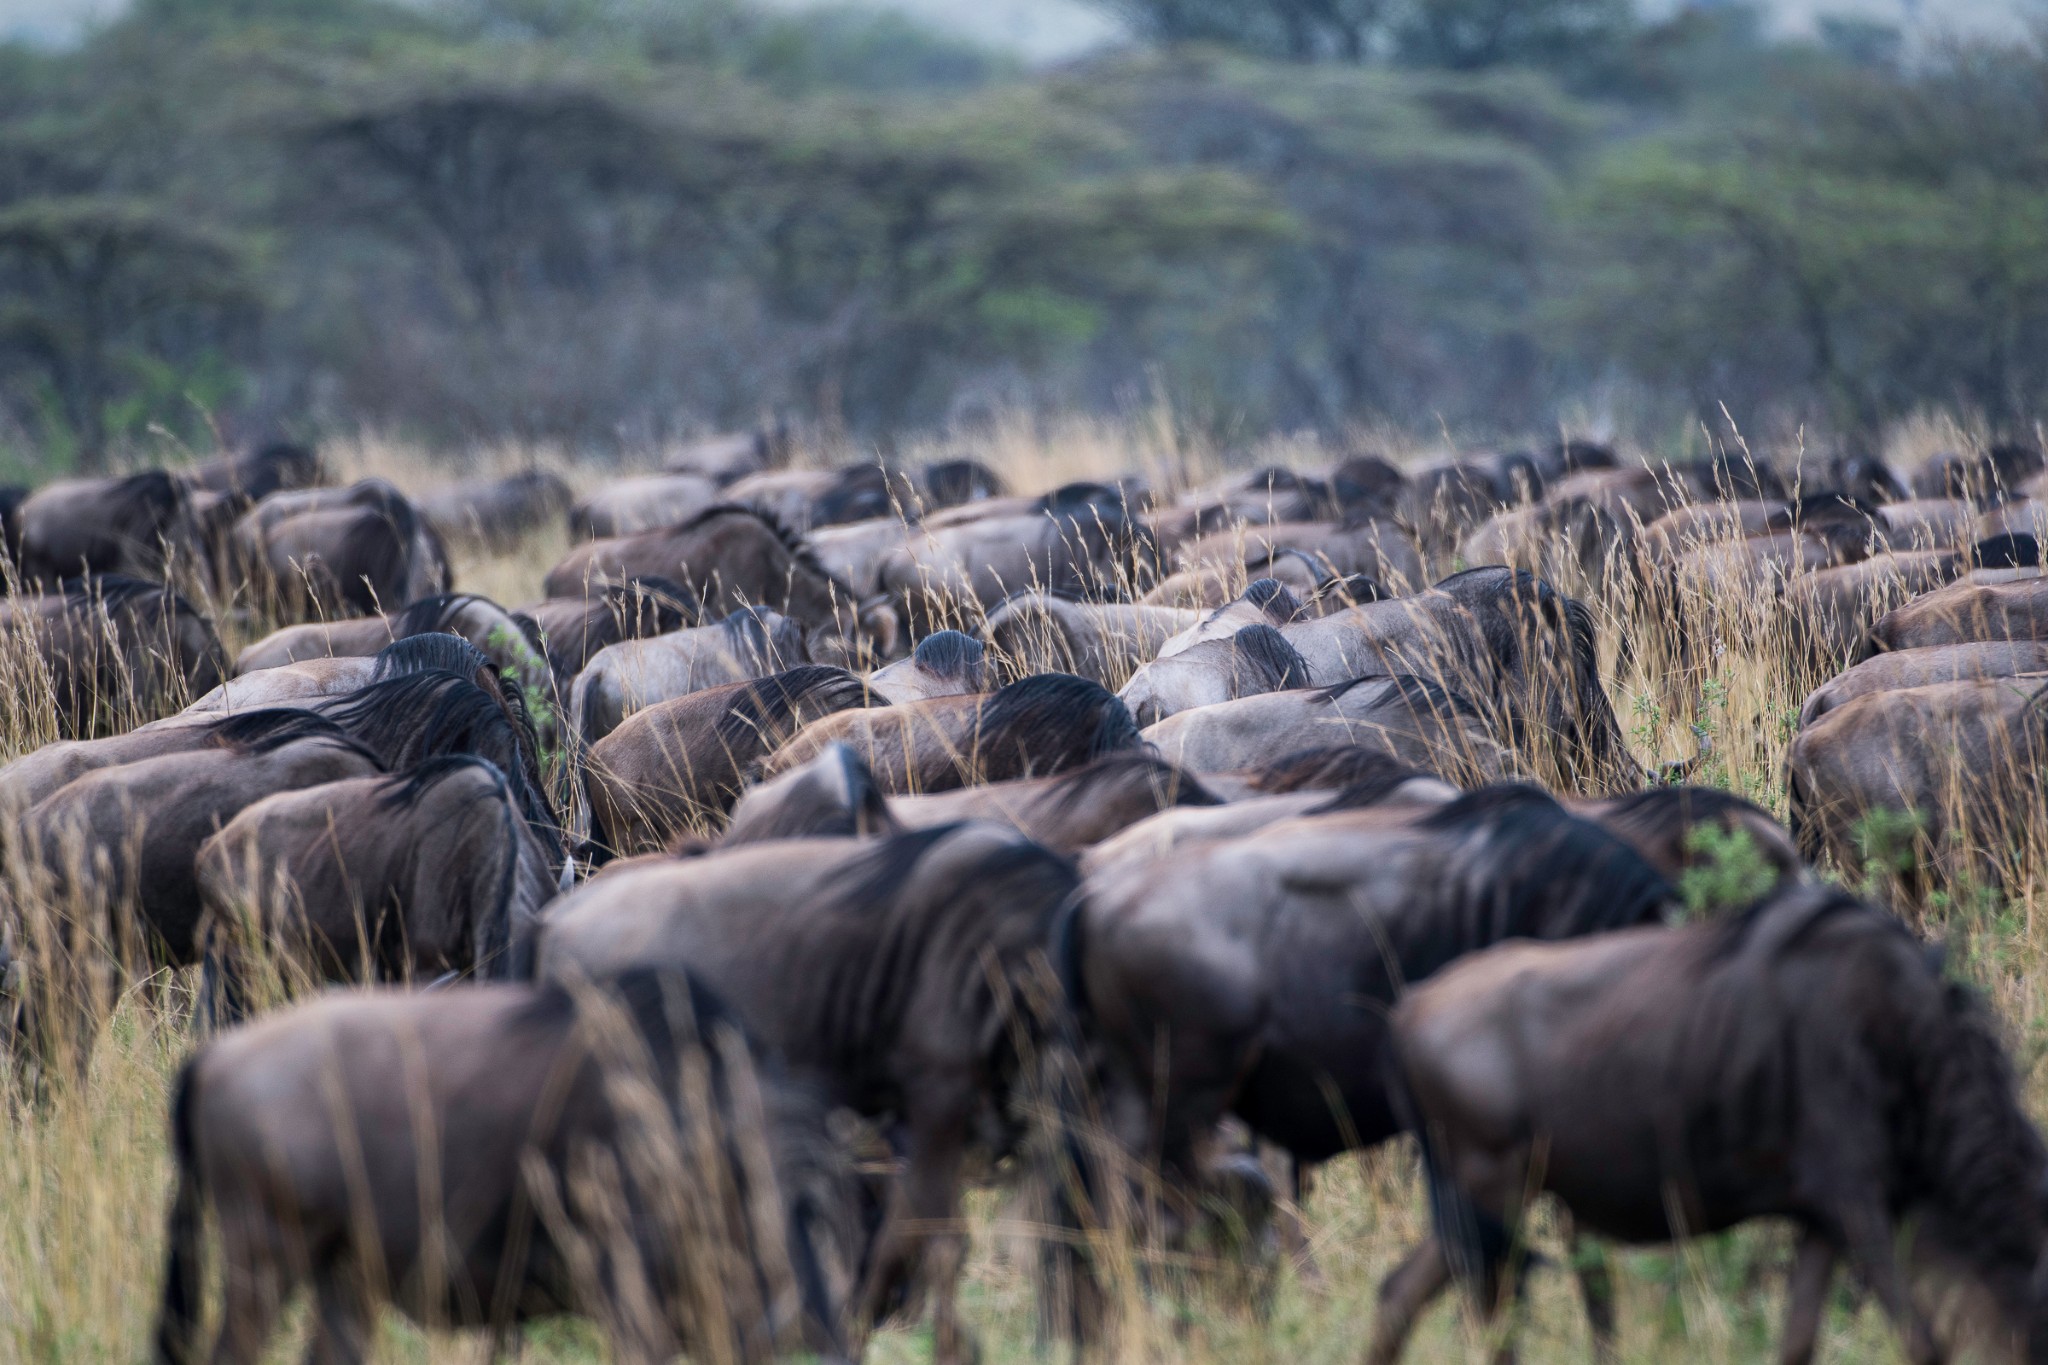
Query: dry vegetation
{"points": [[84, 1169]]}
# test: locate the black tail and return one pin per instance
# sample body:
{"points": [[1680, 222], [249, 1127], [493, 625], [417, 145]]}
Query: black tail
{"points": [[179, 1317], [1476, 1242]]}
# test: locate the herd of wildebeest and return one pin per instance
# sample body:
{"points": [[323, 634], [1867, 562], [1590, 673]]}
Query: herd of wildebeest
{"points": [[825, 840]]}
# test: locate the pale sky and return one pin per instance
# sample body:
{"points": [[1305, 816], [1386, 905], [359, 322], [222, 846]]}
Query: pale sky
{"points": [[1047, 30]]}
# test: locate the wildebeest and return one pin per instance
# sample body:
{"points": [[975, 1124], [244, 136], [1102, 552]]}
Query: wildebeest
{"points": [[112, 649], [803, 498], [1091, 550], [133, 525], [624, 507], [1504, 640], [2001, 470], [351, 551], [957, 482], [1412, 719], [1922, 780], [1036, 632], [1252, 975], [573, 629], [1264, 602], [945, 663], [1963, 612], [1035, 727], [732, 557], [1805, 1060], [728, 457], [394, 878], [1835, 608], [308, 682], [477, 1158], [273, 467], [1924, 667], [498, 513], [682, 762], [1570, 541], [920, 951], [1383, 550], [1256, 659], [635, 674], [1662, 824], [833, 795], [1068, 811]]}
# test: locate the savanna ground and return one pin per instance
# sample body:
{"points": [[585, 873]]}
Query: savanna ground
{"points": [[84, 1170]]}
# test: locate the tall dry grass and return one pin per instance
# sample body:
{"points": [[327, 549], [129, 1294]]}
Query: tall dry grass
{"points": [[84, 1168]]}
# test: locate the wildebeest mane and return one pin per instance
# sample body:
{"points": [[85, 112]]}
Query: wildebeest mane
{"points": [[765, 709], [1056, 721], [493, 929], [114, 591], [1182, 788], [432, 613], [403, 791], [1359, 587], [1270, 596], [1533, 854], [867, 884], [1687, 804], [433, 652], [1373, 785], [1421, 694], [1268, 654], [1331, 766], [2007, 550], [271, 728], [950, 654]]}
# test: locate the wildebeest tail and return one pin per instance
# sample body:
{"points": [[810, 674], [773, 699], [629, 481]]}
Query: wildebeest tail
{"points": [[1475, 1242], [180, 1314]]}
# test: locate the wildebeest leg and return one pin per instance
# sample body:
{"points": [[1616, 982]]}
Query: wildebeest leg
{"points": [[922, 1234], [1294, 1230], [344, 1317], [1596, 1290], [1806, 1295], [1413, 1286], [1869, 1238], [256, 1288]]}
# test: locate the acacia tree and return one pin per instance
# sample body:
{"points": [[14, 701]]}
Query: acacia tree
{"points": [[97, 288]]}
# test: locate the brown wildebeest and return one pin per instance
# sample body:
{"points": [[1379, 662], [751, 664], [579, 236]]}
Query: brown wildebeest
{"points": [[1507, 642], [635, 674], [683, 762], [732, 557], [481, 1157], [853, 553], [1805, 1060], [1252, 975], [574, 629], [498, 513], [332, 552], [805, 498], [1327, 767], [625, 507], [1308, 579], [1091, 549], [1660, 823], [832, 796], [920, 952], [1963, 612], [2002, 470], [1572, 541], [1264, 602], [1925, 667], [1408, 718], [958, 482], [1044, 724], [1924, 780], [1687, 528], [133, 525], [945, 663], [1040, 632], [1255, 660], [1069, 811], [734, 454], [375, 879], [1837, 607], [114, 650], [1928, 523], [1383, 550]]}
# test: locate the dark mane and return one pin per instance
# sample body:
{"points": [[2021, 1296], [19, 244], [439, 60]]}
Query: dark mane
{"points": [[1373, 785], [867, 883], [2008, 550], [1054, 721], [764, 711], [1777, 924], [262, 731], [1332, 766], [155, 486], [114, 591], [1359, 587], [951, 654], [403, 791], [1270, 596], [433, 613], [433, 652], [1266, 652], [1178, 786], [1689, 805], [1421, 694], [1537, 869]]}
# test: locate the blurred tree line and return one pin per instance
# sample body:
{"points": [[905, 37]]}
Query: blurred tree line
{"points": [[605, 221]]}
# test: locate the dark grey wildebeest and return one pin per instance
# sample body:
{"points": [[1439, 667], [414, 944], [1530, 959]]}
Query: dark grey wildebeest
{"points": [[1805, 1060], [483, 1157]]}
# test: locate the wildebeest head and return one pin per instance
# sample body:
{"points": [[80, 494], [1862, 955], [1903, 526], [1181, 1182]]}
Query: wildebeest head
{"points": [[833, 794], [1256, 659]]}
